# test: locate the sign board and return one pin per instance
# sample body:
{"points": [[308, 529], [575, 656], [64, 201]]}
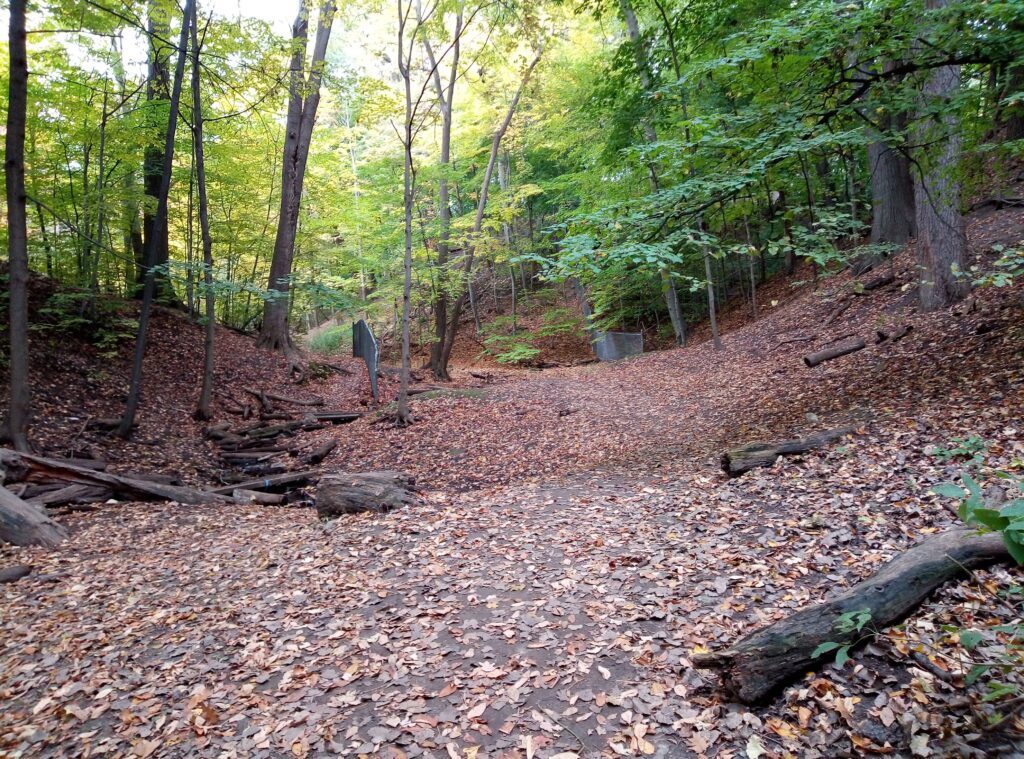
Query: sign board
{"points": [[364, 346]]}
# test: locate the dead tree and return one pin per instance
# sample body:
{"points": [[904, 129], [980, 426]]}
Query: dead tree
{"points": [[23, 524], [761, 663], [339, 494], [753, 455], [842, 349]]}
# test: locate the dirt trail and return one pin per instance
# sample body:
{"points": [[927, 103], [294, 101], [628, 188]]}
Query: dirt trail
{"points": [[552, 609]]}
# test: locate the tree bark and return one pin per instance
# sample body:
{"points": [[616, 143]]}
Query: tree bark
{"points": [[17, 226], [942, 232], [303, 100], [753, 455], [760, 664], [467, 267], [22, 524], [158, 86], [159, 222], [836, 351], [205, 394], [340, 494]]}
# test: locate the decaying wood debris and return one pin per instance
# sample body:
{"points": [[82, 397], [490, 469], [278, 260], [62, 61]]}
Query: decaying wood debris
{"points": [[761, 663], [753, 455], [351, 493], [842, 349]]}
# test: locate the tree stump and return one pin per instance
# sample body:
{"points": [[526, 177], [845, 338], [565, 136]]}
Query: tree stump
{"points": [[352, 493]]}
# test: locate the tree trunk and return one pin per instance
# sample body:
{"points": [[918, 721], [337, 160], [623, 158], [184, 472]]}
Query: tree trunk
{"points": [[712, 315], [892, 195], [17, 234], [445, 97], [942, 233], [158, 86], [159, 222], [303, 100], [764, 661], [22, 524], [203, 407], [467, 267]]}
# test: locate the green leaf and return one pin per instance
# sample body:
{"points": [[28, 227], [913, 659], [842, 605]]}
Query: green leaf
{"points": [[948, 490], [1014, 547], [969, 639], [976, 671], [990, 518], [843, 656], [824, 648]]}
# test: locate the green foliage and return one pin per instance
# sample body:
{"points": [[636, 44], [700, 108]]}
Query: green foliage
{"points": [[1008, 519], [850, 626], [971, 449], [512, 345], [331, 341], [1008, 268], [83, 316]]}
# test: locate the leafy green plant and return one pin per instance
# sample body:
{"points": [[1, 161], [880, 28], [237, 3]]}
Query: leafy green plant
{"points": [[850, 626], [973, 510], [972, 448], [330, 341], [1007, 268]]}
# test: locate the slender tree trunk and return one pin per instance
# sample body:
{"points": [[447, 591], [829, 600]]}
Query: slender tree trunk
{"points": [[712, 315], [303, 101], [402, 415], [668, 285], [467, 267], [942, 233], [205, 395], [159, 222], [17, 229], [445, 96]]}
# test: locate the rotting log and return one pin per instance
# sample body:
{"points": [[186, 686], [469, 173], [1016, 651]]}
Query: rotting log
{"points": [[320, 453], [23, 524], [291, 479], [38, 468], [892, 336], [753, 455], [351, 493], [866, 287], [240, 495], [842, 349], [836, 312], [78, 492], [336, 417], [15, 573], [764, 661]]}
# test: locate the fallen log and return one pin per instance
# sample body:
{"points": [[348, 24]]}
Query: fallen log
{"points": [[813, 359], [753, 455], [40, 468], [762, 662], [240, 495], [837, 311], [293, 479], [351, 493], [866, 287], [15, 573], [319, 454], [293, 401], [883, 336], [23, 524], [71, 493], [337, 417]]}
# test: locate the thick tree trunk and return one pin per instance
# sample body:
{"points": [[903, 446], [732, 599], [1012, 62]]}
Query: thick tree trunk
{"points": [[942, 233], [764, 661], [152, 243], [22, 524], [17, 230], [753, 455], [158, 87], [340, 494], [303, 101], [205, 394], [892, 194]]}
